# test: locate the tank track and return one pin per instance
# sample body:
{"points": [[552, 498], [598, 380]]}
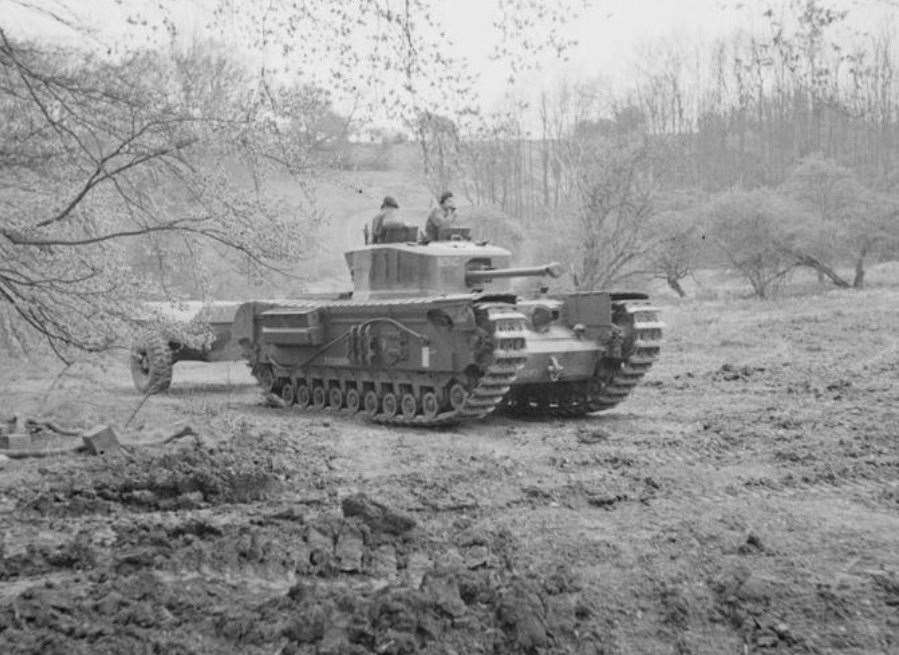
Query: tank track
{"points": [[615, 378], [482, 398]]}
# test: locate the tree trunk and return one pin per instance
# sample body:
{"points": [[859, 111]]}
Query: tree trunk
{"points": [[822, 269], [674, 283], [858, 281]]}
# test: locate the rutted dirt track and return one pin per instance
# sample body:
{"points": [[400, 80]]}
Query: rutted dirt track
{"points": [[745, 499]]}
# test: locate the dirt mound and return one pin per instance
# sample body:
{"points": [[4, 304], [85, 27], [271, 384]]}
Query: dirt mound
{"points": [[418, 596]]}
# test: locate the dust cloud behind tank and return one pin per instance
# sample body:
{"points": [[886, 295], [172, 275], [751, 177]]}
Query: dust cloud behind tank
{"points": [[431, 334]]}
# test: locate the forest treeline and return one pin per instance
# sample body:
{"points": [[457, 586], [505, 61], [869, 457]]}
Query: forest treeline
{"points": [[762, 152]]}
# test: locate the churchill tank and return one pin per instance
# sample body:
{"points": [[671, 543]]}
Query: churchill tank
{"points": [[431, 334]]}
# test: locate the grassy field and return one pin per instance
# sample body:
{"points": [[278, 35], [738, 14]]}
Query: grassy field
{"points": [[744, 499]]}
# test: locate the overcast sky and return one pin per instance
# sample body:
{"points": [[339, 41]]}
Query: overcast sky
{"points": [[608, 34]]}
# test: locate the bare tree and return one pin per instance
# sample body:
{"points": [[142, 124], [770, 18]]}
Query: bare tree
{"points": [[96, 154], [753, 230], [440, 146], [853, 222], [609, 164], [677, 247]]}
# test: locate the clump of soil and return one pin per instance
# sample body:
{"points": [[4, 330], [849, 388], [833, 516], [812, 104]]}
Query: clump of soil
{"points": [[75, 554], [327, 583], [206, 552]]}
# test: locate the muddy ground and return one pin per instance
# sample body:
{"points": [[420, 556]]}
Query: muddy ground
{"points": [[745, 499]]}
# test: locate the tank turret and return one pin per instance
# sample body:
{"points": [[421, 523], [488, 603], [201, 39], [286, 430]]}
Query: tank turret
{"points": [[439, 268]]}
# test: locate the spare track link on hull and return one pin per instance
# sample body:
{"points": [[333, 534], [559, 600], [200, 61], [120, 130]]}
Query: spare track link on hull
{"points": [[491, 387], [613, 382]]}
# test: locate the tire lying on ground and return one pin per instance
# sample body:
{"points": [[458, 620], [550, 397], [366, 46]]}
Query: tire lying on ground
{"points": [[151, 362]]}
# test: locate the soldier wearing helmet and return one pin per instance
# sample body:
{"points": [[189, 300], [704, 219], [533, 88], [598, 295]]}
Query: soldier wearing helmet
{"points": [[441, 216], [384, 217]]}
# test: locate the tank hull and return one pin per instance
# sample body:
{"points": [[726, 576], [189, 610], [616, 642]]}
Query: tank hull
{"points": [[439, 360]]}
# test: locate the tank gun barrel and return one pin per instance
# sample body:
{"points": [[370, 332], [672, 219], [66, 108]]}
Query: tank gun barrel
{"points": [[553, 270]]}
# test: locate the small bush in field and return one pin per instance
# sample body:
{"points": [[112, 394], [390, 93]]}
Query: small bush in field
{"points": [[757, 231]]}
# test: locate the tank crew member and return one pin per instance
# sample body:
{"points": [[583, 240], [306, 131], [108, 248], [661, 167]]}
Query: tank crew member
{"points": [[383, 218], [441, 216]]}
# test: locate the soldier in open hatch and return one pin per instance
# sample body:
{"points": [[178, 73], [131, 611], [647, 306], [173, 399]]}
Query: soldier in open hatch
{"points": [[383, 218], [441, 216]]}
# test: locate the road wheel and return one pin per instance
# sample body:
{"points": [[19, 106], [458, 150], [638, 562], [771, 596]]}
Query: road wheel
{"points": [[335, 398], [318, 397], [372, 403], [288, 393], [389, 404], [429, 405], [304, 396], [409, 406], [353, 400], [151, 362]]}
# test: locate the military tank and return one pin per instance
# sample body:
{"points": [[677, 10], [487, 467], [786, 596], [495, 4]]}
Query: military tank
{"points": [[431, 334]]}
